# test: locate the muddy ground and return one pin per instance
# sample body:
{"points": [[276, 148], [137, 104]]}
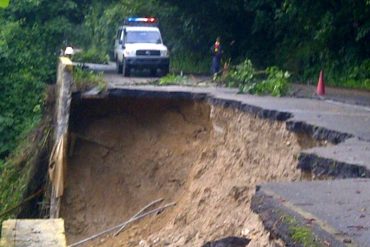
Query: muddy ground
{"points": [[208, 159]]}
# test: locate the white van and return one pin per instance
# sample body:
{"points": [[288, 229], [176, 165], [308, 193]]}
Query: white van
{"points": [[139, 45]]}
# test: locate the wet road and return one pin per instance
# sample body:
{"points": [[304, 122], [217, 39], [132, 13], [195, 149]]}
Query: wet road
{"points": [[348, 96]]}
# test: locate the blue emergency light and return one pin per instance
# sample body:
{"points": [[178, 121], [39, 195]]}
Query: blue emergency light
{"points": [[141, 21]]}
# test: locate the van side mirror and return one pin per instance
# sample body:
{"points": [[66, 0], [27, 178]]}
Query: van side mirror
{"points": [[120, 42]]}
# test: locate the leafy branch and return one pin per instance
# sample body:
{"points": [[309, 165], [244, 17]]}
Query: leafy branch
{"points": [[271, 81]]}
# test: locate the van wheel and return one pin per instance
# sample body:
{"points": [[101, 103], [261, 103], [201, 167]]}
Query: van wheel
{"points": [[126, 70], [165, 70], [119, 67]]}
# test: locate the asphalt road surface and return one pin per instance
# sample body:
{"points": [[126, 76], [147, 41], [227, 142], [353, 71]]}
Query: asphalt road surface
{"points": [[348, 96]]}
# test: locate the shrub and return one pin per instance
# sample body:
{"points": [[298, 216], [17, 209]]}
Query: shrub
{"points": [[87, 79], [242, 76], [92, 55], [271, 81], [19, 169], [276, 84], [190, 63]]}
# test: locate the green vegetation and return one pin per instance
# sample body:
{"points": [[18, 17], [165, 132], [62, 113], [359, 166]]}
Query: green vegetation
{"points": [[304, 236], [31, 35], [247, 79], [21, 90], [19, 168], [4, 3], [92, 55], [276, 83], [300, 234], [12, 186], [298, 36], [86, 79], [189, 63], [171, 79]]}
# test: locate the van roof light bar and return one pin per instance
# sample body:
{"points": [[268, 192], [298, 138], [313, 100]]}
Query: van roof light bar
{"points": [[141, 21]]}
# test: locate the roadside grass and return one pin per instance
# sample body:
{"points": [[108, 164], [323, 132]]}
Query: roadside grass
{"points": [[361, 84], [300, 234], [19, 169], [87, 79], [13, 183], [92, 55], [172, 79], [350, 84], [190, 64], [350, 76]]}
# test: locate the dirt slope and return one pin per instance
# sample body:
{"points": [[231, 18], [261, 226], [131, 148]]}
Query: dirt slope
{"points": [[207, 159]]}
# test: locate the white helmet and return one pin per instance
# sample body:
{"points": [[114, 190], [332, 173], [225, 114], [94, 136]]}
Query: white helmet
{"points": [[69, 51]]}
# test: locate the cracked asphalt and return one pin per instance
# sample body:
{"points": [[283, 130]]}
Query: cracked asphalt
{"points": [[343, 204]]}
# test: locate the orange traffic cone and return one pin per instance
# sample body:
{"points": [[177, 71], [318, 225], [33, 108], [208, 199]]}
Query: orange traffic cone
{"points": [[321, 85]]}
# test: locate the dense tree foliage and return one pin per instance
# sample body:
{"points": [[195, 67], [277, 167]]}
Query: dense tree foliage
{"points": [[300, 36], [31, 34]]}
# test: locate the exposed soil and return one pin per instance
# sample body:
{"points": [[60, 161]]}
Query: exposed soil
{"points": [[129, 152]]}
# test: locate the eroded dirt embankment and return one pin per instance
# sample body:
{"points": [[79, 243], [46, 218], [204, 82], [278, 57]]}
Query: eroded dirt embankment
{"points": [[129, 152]]}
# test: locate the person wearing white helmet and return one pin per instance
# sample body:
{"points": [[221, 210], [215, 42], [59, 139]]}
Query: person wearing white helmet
{"points": [[69, 52]]}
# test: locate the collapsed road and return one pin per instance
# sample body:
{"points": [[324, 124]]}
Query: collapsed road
{"points": [[208, 149], [314, 122]]}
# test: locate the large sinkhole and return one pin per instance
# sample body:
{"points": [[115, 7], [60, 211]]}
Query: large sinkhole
{"points": [[127, 152]]}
